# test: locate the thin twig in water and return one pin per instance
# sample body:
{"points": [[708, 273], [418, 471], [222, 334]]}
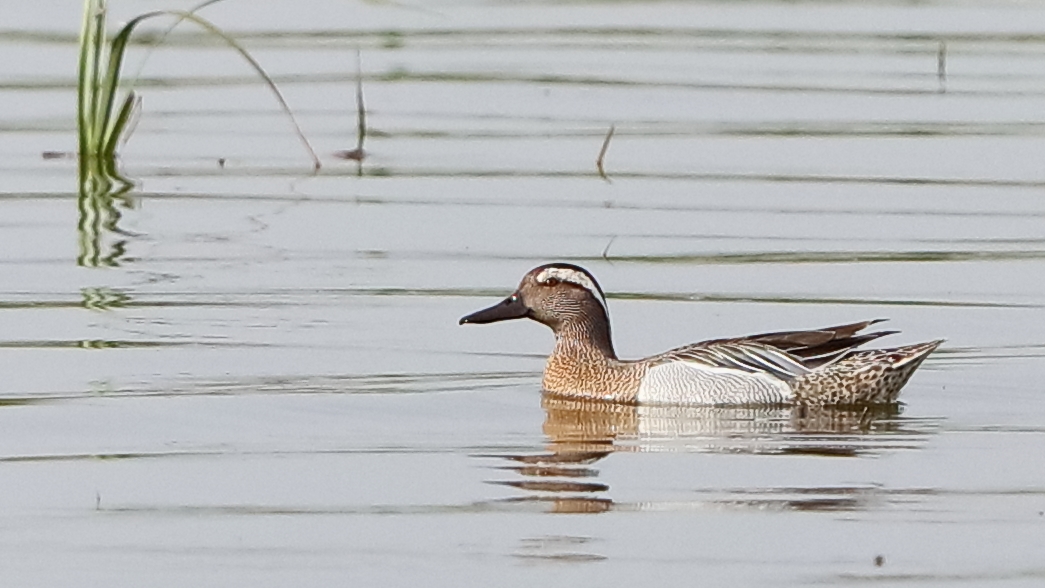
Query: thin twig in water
{"points": [[360, 106], [602, 152], [358, 154], [606, 251], [941, 66]]}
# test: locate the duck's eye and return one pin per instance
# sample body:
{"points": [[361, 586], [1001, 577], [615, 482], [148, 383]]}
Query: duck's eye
{"points": [[551, 282]]}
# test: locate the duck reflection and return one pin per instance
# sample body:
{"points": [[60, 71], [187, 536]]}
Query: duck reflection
{"points": [[587, 426], [583, 432]]}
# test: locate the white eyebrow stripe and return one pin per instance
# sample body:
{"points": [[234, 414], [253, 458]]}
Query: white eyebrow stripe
{"points": [[576, 278]]}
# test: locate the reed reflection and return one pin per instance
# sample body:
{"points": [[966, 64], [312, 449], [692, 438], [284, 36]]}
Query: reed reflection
{"points": [[102, 242]]}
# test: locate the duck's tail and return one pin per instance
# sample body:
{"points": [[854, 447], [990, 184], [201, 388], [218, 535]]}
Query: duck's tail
{"points": [[862, 377]]}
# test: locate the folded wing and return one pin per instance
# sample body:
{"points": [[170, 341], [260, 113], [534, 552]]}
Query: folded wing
{"points": [[785, 354]]}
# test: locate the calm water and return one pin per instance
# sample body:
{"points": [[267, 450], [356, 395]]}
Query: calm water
{"points": [[263, 383]]}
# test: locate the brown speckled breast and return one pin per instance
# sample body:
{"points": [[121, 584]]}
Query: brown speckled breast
{"points": [[590, 375]]}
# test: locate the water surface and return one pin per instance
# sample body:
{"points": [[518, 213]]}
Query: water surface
{"points": [[263, 382]]}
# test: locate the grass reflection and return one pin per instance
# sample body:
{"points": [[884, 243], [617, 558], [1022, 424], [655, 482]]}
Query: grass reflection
{"points": [[101, 242]]}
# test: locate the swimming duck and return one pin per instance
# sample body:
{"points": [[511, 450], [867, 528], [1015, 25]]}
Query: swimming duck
{"points": [[819, 367]]}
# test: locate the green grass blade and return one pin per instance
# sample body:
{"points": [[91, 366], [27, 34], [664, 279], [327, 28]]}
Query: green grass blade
{"points": [[97, 49], [111, 129], [92, 37], [119, 123]]}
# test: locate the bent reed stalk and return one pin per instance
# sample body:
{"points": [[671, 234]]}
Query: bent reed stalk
{"points": [[102, 127]]}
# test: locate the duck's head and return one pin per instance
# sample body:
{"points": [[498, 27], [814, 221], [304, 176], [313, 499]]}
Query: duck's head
{"points": [[555, 294]]}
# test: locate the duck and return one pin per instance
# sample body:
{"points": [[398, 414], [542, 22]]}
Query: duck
{"points": [[816, 367]]}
